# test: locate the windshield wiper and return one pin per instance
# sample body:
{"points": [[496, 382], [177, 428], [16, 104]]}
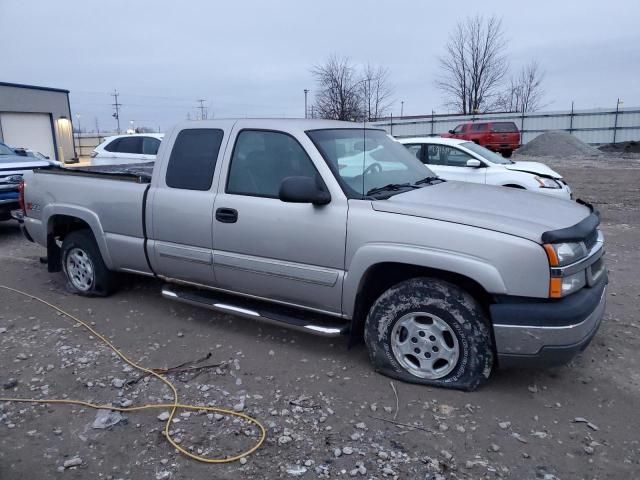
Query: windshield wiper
{"points": [[389, 187], [429, 180]]}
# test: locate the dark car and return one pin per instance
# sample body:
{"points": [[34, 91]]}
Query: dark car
{"points": [[503, 137], [12, 166]]}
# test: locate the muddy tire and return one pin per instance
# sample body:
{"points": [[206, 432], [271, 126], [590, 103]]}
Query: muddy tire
{"points": [[507, 153], [83, 266], [431, 332]]}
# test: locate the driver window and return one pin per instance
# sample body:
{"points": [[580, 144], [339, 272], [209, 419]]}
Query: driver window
{"points": [[262, 159], [446, 156], [458, 129]]}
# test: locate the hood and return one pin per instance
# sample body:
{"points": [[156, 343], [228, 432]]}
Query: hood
{"points": [[507, 210], [533, 167]]}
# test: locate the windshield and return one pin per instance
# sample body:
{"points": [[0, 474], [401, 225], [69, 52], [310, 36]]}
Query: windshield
{"points": [[486, 153], [4, 150], [363, 160]]}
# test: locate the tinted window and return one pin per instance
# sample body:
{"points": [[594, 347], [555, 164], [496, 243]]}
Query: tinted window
{"points": [[112, 146], [261, 160], [479, 127], [130, 145], [150, 145], [193, 158], [446, 155], [504, 127]]}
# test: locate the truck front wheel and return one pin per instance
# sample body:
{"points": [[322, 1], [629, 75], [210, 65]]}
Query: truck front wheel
{"points": [[83, 266], [428, 331]]}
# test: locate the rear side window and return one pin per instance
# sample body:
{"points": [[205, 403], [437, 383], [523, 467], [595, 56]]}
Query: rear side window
{"points": [[479, 127], [262, 159], [193, 158], [112, 146], [129, 145], [150, 145], [504, 127]]}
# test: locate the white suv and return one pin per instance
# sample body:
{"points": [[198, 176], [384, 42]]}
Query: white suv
{"points": [[466, 161], [134, 148]]}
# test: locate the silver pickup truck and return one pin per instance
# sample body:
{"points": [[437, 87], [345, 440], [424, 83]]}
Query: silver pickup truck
{"points": [[290, 222]]}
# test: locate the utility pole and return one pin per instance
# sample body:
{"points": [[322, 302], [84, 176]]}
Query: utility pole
{"points": [[402, 109], [203, 109], [615, 123], [306, 92], [116, 106], [79, 130]]}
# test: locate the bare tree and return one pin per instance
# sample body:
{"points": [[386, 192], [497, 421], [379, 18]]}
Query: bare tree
{"points": [[474, 65], [376, 91], [338, 96], [524, 93]]}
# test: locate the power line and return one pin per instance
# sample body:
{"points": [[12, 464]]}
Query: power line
{"points": [[116, 106]]}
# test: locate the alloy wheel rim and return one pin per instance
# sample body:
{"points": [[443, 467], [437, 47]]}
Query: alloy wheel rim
{"points": [[80, 269], [425, 345]]}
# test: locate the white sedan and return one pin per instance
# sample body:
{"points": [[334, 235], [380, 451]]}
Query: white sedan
{"points": [[133, 148], [454, 159]]}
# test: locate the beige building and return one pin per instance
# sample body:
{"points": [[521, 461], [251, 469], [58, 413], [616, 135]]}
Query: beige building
{"points": [[37, 118]]}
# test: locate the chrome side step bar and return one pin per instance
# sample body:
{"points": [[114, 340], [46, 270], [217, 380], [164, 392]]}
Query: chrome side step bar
{"points": [[282, 316]]}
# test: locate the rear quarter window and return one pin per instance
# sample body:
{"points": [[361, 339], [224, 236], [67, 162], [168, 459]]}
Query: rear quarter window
{"points": [[193, 158]]}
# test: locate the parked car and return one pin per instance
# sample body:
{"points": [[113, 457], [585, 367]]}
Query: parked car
{"points": [[12, 167], [466, 161], [123, 149], [269, 220], [503, 137], [27, 152]]}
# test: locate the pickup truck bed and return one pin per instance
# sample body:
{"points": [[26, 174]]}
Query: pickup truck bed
{"points": [[136, 172]]}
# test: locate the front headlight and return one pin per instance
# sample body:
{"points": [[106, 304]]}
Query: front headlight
{"points": [[547, 182], [561, 254]]}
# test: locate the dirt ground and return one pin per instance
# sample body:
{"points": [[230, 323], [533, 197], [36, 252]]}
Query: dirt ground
{"points": [[325, 410]]}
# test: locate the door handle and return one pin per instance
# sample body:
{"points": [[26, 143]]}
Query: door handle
{"points": [[227, 215]]}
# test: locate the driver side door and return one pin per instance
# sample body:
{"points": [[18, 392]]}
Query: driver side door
{"points": [[292, 253]]}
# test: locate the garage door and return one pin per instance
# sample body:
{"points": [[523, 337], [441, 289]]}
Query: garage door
{"points": [[28, 130]]}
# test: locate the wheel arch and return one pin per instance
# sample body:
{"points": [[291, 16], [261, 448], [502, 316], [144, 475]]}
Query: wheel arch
{"points": [[481, 280], [62, 221]]}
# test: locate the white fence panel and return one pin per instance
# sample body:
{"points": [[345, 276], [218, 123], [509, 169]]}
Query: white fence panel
{"points": [[596, 126]]}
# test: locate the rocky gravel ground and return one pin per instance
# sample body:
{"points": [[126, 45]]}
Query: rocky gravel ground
{"points": [[328, 415]]}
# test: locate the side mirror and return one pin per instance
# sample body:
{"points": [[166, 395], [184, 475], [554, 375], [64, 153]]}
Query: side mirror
{"points": [[303, 190], [474, 163], [451, 131]]}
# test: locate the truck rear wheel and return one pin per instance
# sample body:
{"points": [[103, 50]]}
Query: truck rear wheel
{"points": [[429, 331], [83, 266]]}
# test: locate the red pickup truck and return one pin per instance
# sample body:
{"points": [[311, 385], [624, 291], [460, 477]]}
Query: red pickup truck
{"points": [[503, 137]]}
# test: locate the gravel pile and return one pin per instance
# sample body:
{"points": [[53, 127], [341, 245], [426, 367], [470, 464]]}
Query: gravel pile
{"points": [[557, 143]]}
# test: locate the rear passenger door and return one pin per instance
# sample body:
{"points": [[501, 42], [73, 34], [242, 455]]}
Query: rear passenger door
{"points": [[180, 206], [287, 252]]}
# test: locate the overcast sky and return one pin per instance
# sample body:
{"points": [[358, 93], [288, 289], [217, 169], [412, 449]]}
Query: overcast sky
{"points": [[253, 58]]}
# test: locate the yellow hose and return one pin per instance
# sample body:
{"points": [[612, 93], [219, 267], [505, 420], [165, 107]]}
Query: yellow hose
{"points": [[173, 406]]}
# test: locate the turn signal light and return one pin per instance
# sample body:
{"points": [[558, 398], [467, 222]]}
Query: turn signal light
{"points": [[555, 287]]}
